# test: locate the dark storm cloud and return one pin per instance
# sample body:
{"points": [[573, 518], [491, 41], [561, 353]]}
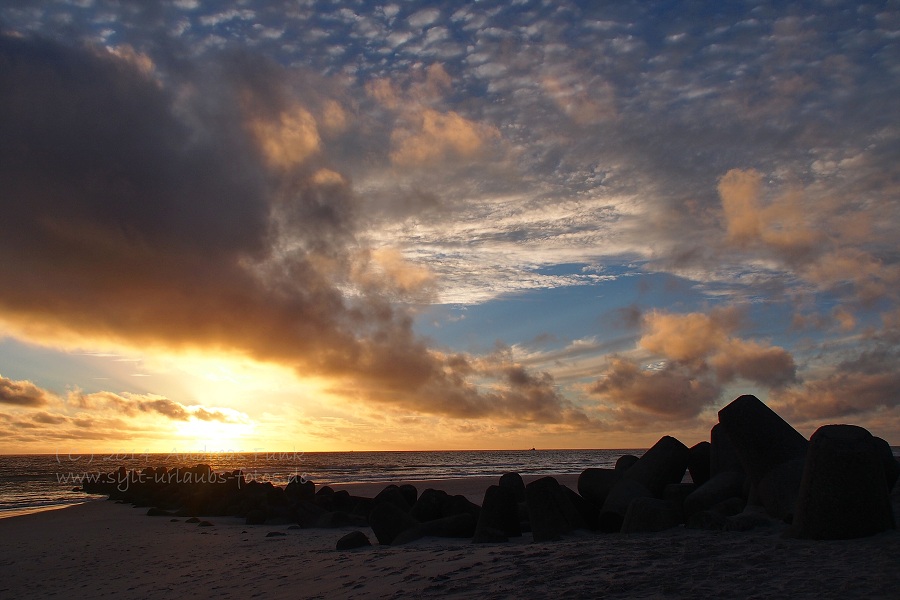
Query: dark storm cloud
{"points": [[147, 210], [22, 393]]}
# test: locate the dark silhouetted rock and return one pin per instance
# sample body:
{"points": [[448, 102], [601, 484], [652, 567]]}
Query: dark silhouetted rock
{"points": [[354, 539], [192, 520], [707, 520], [342, 500], [299, 488], [844, 493], [393, 495], [649, 514], [730, 507], [664, 463], [499, 515], [891, 465], [747, 520], [777, 490], [158, 512], [276, 534], [309, 514], [550, 512], [761, 438], [361, 505], [723, 455], [205, 524], [459, 504], [699, 462], [430, 505], [724, 485], [589, 513], [339, 518], [514, 482], [410, 535], [617, 502], [257, 516], [410, 493], [594, 484], [675, 494], [625, 462], [388, 521], [770, 450], [460, 525]]}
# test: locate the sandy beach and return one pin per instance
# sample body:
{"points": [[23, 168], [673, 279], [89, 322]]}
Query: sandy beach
{"points": [[106, 550]]}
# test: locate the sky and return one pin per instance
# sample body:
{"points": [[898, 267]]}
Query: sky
{"points": [[316, 226]]}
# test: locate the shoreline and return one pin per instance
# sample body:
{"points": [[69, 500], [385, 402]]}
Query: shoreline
{"points": [[102, 549], [12, 513]]}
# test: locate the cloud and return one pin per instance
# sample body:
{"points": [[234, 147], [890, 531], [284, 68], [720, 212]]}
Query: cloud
{"points": [[862, 387], [288, 140], [39, 416], [703, 341], [821, 238], [133, 405], [198, 215], [431, 137], [672, 393], [701, 355], [423, 133], [282, 184], [22, 393]]}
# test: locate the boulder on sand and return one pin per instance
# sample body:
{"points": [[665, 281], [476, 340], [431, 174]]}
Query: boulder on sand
{"points": [[723, 455], [460, 525], [664, 463], [720, 487], [594, 484], [388, 521], [392, 494], [770, 450], [699, 462], [430, 505], [617, 502], [499, 517], [625, 462], [514, 482], [354, 539], [891, 465], [650, 514], [843, 493], [550, 511]]}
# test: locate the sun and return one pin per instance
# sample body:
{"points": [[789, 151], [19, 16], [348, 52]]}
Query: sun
{"points": [[197, 435]]}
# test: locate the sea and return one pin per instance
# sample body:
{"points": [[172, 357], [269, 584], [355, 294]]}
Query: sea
{"points": [[36, 482]]}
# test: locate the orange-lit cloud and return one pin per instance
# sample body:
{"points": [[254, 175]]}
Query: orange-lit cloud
{"points": [[670, 393], [204, 244], [431, 136], [700, 355], [861, 389], [386, 269], [816, 235], [424, 133], [105, 419], [784, 224], [289, 139], [21, 393]]}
